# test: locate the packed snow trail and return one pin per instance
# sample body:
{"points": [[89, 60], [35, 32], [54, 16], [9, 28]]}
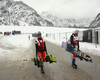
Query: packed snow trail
{"points": [[12, 66]]}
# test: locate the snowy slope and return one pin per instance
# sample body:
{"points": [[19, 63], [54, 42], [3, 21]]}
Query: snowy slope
{"points": [[85, 22], [18, 13], [56, 21], [96, 21]]}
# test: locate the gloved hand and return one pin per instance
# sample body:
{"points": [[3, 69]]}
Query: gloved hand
{"points": [[71, 45], [81, 58], [78, 49], [46, 54]]}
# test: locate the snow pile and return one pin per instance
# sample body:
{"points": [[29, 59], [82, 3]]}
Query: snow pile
{"points": [[90, 47], [17, 40]]}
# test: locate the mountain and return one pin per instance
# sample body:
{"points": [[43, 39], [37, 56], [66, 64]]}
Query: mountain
{"points": [[18, 13], [85, 22], [96, 21]]}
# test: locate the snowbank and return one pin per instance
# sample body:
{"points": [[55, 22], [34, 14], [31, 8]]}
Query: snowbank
{"points": [[17, 40], [9, 44], [90, 47]]}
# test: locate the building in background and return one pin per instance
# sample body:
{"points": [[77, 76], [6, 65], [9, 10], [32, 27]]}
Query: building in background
{"points": [[87, 36], [92, 35], [96, 35]]}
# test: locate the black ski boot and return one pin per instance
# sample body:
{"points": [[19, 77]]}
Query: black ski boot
{"points": [[74, 66], [42, 70]]}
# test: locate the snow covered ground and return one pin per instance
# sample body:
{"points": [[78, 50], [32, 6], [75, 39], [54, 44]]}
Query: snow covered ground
{"points": [[22, 40], [16, 48], [90, 47], [17, 40], [15, 62], [9, 44]]}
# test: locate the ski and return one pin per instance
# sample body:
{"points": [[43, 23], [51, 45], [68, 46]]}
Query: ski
{"points": [[84, 56]]}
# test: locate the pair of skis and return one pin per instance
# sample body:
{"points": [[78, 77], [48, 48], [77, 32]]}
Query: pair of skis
{"points": [[39, 63], [83, 56], [80, 54]]}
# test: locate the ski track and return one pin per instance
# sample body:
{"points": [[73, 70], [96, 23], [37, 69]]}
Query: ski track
{"points": [[12, 66]]}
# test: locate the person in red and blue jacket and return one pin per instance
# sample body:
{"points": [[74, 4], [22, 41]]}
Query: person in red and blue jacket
{"points": [[75, 44], [41, 50]]}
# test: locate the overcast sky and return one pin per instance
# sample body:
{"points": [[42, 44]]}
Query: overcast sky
{"points": [[66, 8]]}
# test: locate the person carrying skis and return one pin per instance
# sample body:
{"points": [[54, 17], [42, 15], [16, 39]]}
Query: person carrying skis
{"points": [[41, 51], [75, 45]]}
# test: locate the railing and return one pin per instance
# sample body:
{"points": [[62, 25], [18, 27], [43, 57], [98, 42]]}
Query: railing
{"points": [[64, 36]]}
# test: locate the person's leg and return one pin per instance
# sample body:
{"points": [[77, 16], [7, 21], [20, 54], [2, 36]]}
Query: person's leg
{"points": [[74, 58], [44, 56], [40, 56], [73, 61]]}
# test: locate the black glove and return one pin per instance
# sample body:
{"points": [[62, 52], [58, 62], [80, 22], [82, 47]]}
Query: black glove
{"points": [[47, 54], [81, 58], [78, 49]]}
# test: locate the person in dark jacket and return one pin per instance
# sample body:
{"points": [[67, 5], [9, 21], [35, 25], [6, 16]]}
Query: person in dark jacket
{"points": [[75, 44], [28, 37], [41, 50]]}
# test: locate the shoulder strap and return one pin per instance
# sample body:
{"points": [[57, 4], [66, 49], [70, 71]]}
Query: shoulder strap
{"points": [[38, 40], [42, 43]]}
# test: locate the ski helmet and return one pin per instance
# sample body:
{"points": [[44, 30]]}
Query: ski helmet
{"points": [[76, 30], [39, 33]]}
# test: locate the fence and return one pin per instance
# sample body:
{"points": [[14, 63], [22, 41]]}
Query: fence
{"points": [[59, 36]]}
